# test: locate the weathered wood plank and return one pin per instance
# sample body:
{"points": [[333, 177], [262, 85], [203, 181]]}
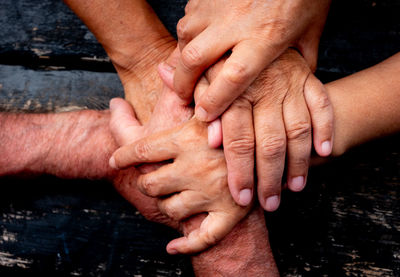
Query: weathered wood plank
{"points": [[26, 90], [79, 228]]}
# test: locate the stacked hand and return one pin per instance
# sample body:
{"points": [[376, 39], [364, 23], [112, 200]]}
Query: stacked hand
{"points": [[274, 119], [256, 33], [193, 183]]}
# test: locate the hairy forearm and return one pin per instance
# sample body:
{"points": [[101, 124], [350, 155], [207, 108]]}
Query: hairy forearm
{"points": [[366, 105], [67, 145]]}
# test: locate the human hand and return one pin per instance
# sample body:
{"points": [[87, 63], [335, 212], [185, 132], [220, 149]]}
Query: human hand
{"points": [[193, 183], [282, 105], [257, 32], [124, 126], [168, 112]]}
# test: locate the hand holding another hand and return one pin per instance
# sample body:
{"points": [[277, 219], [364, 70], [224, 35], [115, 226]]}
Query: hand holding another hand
{"points": [[193, 183], [271, 125], [254, 32]]}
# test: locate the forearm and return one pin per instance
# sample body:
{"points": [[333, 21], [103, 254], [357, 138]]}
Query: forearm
{"points": [[129, 31], [67, 145], [135, 40], [244, 252], [366, 105]]}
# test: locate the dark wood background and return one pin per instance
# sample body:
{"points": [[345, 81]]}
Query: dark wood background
{"points": [[345, 223]]}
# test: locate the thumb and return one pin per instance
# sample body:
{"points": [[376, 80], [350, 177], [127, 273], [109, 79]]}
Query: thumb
{"points": [[123, 123], [213, 228], [215, 133], [166, 69], [166, 72]]}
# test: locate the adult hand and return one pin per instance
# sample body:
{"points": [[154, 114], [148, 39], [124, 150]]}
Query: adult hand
{"points": [[257, 32], [283, 104], [125, 128], [194, 182]]}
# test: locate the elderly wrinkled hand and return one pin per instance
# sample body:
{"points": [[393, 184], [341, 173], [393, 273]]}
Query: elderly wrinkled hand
{"points": [[254, 32], [272, 123], [190, 181]]}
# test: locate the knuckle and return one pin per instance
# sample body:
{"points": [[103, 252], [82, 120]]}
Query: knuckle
{"points": [[210, 238], [299, 130], [323, 102], [171, 212], [141, 150], [273, 147], [191, 57], [191, 4], [187, 7], [149, 187], [181, 30], [236, 73], [241, 146]]}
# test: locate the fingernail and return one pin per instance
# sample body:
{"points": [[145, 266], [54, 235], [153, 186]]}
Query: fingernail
{"points": [[201, 114], [112, 163], [245, 196], [173, 251], [297, 183], [326, 147], [272, 203]]}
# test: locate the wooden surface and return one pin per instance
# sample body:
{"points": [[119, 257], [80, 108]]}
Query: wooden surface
{"points": [[345, 223]]}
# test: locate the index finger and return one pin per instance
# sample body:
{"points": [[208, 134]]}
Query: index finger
{"points": [[243, 66], [155, 148]]}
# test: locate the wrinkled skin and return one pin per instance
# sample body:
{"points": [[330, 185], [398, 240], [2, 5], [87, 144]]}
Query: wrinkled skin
{"points": [[126, 129], [257, 32], [196, 178], [274, 120]]}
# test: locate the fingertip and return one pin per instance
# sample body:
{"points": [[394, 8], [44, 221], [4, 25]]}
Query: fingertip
{"points": [[326, 148], [114, 103], [297, 184], [240, 186], [112, 163], [171, 250], [201, 113], [166, 72], [245, 197], [271, 203], [215, 133], [175, 246]]}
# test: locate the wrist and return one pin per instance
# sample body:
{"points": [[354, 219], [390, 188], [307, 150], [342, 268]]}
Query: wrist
{"points": [[136, 59]]}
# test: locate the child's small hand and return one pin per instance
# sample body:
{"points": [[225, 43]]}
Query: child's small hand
{"points": [[256, 32], [194, 182]]}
